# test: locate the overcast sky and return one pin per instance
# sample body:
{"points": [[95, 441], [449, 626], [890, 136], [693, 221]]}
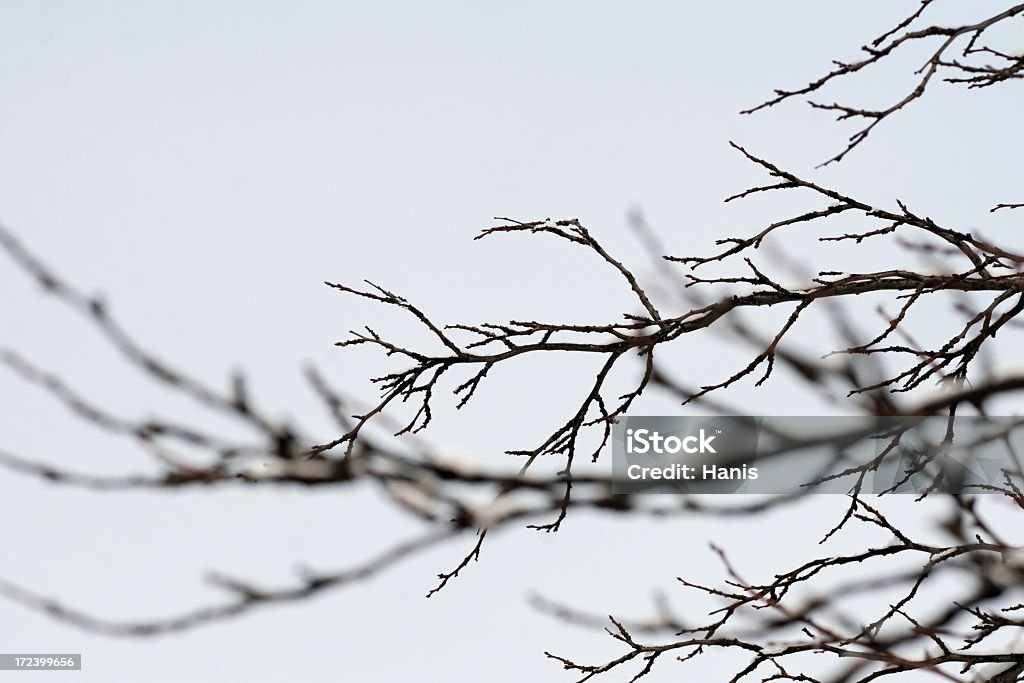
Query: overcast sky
{"points": [[207, 165]]}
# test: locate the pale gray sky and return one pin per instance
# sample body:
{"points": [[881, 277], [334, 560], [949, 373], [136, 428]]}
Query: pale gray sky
{"points": [[207, 165]]}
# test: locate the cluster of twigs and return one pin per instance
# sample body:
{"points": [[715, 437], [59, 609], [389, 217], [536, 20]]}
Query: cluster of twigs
{"points": [[771, 628], [959, 54], [947, 642]]}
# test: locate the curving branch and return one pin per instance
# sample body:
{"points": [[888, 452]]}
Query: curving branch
{"points": [[959, 55]]}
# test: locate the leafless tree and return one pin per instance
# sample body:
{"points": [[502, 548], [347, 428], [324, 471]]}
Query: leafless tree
{"points": [[778, 631]]}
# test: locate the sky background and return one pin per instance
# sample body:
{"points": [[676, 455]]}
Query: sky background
{"points": [[207, 165]]}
